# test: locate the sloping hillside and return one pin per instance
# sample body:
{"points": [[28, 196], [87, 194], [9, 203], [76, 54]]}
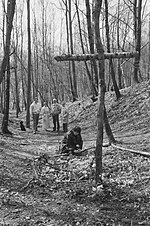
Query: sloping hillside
{"points": [[129, 116], [132, 110]]}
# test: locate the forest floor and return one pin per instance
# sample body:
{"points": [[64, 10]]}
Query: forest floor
{"points": [[40, 187]]}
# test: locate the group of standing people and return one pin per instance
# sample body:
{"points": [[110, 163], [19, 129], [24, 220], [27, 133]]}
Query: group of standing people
{"points": [[55, 110], [72, 140]]}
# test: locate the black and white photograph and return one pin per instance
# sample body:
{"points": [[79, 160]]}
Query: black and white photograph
{"points": [[74, 113]]}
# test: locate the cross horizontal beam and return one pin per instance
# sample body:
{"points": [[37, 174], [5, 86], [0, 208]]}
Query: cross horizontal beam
{"points": [[85, 57]]}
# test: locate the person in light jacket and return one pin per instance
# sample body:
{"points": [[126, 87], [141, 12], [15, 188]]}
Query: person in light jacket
{"points": [[35, 109]]}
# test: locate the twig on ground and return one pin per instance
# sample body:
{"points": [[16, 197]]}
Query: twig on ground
{"points": [[66, 154], [27, 185]]}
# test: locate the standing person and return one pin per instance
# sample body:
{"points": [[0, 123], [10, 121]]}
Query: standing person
{"points": [[35, 109], [65, 117], [56, 110], [45, 111]]}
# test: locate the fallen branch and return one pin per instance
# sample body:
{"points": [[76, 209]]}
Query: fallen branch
{"points": [[66, 154], [86, 149], [27, 185], [31, 182], [131, 150]]}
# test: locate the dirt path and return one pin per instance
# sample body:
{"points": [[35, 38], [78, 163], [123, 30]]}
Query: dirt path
{"points": [[27, 144], [20, 203]]}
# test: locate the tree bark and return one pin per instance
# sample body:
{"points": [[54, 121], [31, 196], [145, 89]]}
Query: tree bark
{"points": [[91, 40], [100, 111], [7, 97], [29, 67], [22, 68], [117, 92], [16, 85], [90, 76], [148, 74], [10, 15], [36, 60], [108, 128], [68, 46], [72, 51], [118, 46], [137, 33], [6, 62]]}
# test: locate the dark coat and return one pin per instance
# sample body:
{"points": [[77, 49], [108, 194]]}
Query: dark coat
{"points": [[71, 141], [74, 140]]}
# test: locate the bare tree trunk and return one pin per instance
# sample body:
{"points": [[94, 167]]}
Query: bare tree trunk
{"points": [[137, 33], [6, 107], [117, 92], [91, 41], [61, 33], [118, 46], [108, 128], [43, 47], [5, 62], [68, 46], [93, 88], [1, 99], [10, 15], [3, 93], [16, 86], [148, 75], [3, 82], [36, 60], [135, 76], [15, 41], [22, 68], [72, 51], [100, 112], [29, 67]]}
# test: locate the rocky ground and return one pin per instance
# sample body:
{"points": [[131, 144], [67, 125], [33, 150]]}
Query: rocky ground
{"points": [[40, 187]]}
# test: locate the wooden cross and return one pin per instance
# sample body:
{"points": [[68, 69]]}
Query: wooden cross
{"points": [[85, 57]]}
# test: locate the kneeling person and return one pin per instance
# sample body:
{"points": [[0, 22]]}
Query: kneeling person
{"points": [[72, 141]]}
